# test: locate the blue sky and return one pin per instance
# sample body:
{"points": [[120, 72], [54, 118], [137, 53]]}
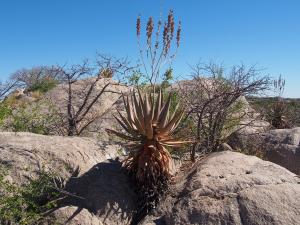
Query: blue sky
{"points": [[261, 32]]}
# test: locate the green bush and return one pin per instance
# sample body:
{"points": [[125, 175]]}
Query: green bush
{"points": [[43, 85], [26, 204], [36, 117], [5, 111], [167, 78], [24, 120], [137, 79]]}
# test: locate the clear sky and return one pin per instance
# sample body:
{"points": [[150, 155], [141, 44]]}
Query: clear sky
{"points": [[46, 32]]}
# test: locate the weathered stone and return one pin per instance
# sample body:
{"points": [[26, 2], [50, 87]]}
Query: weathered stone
{"points": [[283, 148], [105, 191], [284, 136], [104, 107], [72, 215], [27, 153], [223, 188], [232, 188]]}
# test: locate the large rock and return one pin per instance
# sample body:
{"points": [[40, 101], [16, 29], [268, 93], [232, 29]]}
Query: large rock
{"points": [[27, 153], [104, 193], [101, 112], [284, 136], [224, 188], [75, 216], [232, 188], [283, 148], [106, 197]]}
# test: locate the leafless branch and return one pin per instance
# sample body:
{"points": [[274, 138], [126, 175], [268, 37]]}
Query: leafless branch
{"points": [[213, 101], [84, 85]]}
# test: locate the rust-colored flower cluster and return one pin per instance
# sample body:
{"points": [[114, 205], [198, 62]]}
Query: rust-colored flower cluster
{"points": [[167, 34], [138, 26], [159, 40], [149, 30], [178, 34]]}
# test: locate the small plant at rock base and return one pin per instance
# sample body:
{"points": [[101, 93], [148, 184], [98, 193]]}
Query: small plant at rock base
{"points": [[27, 204], [277, 114], [149, 128], [5, 111], [36, 117]]}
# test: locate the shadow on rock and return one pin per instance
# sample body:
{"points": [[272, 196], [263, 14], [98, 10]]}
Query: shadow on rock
{"points": [[105, 190]]}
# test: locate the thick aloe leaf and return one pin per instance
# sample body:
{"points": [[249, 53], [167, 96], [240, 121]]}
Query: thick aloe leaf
{"points": [[127, 129], [168, 128], [174, 143], [163, 117], [126, 122], [128, 109], [141, 101], [147, 118], [121, 135], [139, 111], [157, 107], [139, 120], [151, 100]]}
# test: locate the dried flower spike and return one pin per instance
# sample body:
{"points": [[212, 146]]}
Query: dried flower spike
{"points": [[138, 26], [171, 24], [178, 34], [149, 29]]}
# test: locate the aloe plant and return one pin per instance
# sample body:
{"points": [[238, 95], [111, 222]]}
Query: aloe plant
{"points": [[148, 127]]}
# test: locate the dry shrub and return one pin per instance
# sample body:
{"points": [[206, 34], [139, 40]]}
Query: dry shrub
{"points": [[214, 101]]}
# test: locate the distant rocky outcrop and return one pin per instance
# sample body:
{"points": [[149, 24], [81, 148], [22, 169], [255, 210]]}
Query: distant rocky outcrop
{"points": [[22, 96], [55, 102], [103, 109]]}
